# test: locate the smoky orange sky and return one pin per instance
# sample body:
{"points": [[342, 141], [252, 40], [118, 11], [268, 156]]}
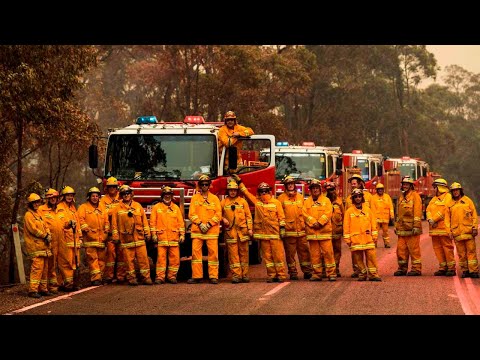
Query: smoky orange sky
{"points": [[466, 56]]}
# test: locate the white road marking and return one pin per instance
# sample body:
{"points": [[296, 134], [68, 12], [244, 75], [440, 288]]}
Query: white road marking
{"points": [[274, 290]]}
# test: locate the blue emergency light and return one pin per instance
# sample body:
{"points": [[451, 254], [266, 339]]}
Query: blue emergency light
{"points": [[282, 143], [146, 120]]}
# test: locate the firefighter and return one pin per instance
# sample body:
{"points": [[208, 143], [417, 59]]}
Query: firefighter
{"points": [[37, 242], [130, 226], [237, 219], [49, 213], [317, 212], [95, 227], [464, 225], [295, 240], [205, 214], [71, 240], [229, 133], [268, 228], [337, 223], [356, 182], [438, 217], [360, 233], [384, 210], [408, 228], [115, 269], [168, 232]]}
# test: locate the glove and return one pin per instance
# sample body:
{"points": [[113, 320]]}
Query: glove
{"points": [[282, 232], [155, 238], [147, 237], [250, 233], [181, 239], [72, 223], [203, 228], [475, 232], [416, 231], [431, 222], [236, 178], [48, 239]]}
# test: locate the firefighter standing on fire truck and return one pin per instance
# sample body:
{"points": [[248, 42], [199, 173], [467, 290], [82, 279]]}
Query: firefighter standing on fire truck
{"points": [[337, 224], [295, 240], [67, 248], [49, 214], [205, 212], [408, 228], [237, 220], [384, 210], [114, 261], [168, 232], [438, 217], [464, 224], [229, 133], [317, 212], [269, 228], [37, 242], [130, 226], [95, 227]]}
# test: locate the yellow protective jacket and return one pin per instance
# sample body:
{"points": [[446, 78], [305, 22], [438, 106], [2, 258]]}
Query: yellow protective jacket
{"points": [[167, 223], [337, 218], [464, 218], [109, 204], [318, 211], [383, 207], [130, 230], [409, 214], [35, 230], [94, 225], [53, 221], [292, 207], [239, 219], [205, 210], [226, 139], [269, 216], [438, 211], [67, 213], [360, 228]]}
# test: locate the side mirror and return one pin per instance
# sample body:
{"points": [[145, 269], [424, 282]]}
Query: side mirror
{"points": [[380, 170], [93, 156], [232, 157], [338, 165]]}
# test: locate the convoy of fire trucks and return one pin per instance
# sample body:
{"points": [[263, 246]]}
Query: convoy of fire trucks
{"points": [[150, 154]]}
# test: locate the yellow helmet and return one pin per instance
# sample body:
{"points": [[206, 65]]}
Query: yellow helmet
{"points": [[68, 190], [379, 186], [229, 115], [288, 179], [440, 181], [204, 178], [93, 190], [33, 197], [111, 181], [315, 182], [167, 190], [50, 193], [357, 192], [356, 176], [125, 188], [232, 185], [455, 185], [407, 179]]}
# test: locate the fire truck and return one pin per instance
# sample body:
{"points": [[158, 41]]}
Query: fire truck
{"points": [[151, 154]]}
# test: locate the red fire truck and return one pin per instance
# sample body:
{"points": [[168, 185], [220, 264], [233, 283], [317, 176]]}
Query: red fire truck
{"points": [[150, 154]]}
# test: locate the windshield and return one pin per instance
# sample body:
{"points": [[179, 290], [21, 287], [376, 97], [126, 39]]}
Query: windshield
{"points": [[161, 157], [363, 165], [300, 166], [407, 169]]}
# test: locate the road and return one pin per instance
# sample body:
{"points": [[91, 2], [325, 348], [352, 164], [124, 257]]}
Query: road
{"points": [[423, 295]]}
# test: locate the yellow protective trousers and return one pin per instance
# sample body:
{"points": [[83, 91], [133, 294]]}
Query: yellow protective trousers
{"points": [[114, 256], [384, 227], [197, 265], [52, 273], [297, 245], [337, 253], [370, 257], [467, 255], [38, 274], [96, 262], [443, 248], [408, 248], [238, 258], [173, 254], [273, 254], [139, 253], [325, 248], [66, 264]]}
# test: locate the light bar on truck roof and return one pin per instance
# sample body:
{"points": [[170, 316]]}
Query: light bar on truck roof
{"points": [[357, 152], [194, 120], [146, 120], [282, 143], [308, 143]]}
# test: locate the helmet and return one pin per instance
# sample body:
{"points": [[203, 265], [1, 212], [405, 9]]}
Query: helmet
{"points": [[33, 197], [93, 190], [407, 179], [315, 182], [204, 178], [455, 185], [68, 190], [288, 179], [167, 190], [111, 181], [441, 182], [232, 185], [357, 192], [49, 193], [229, 115], [263, 186], [379, 186], [125, 188], [356, 176], [330, 185]]}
